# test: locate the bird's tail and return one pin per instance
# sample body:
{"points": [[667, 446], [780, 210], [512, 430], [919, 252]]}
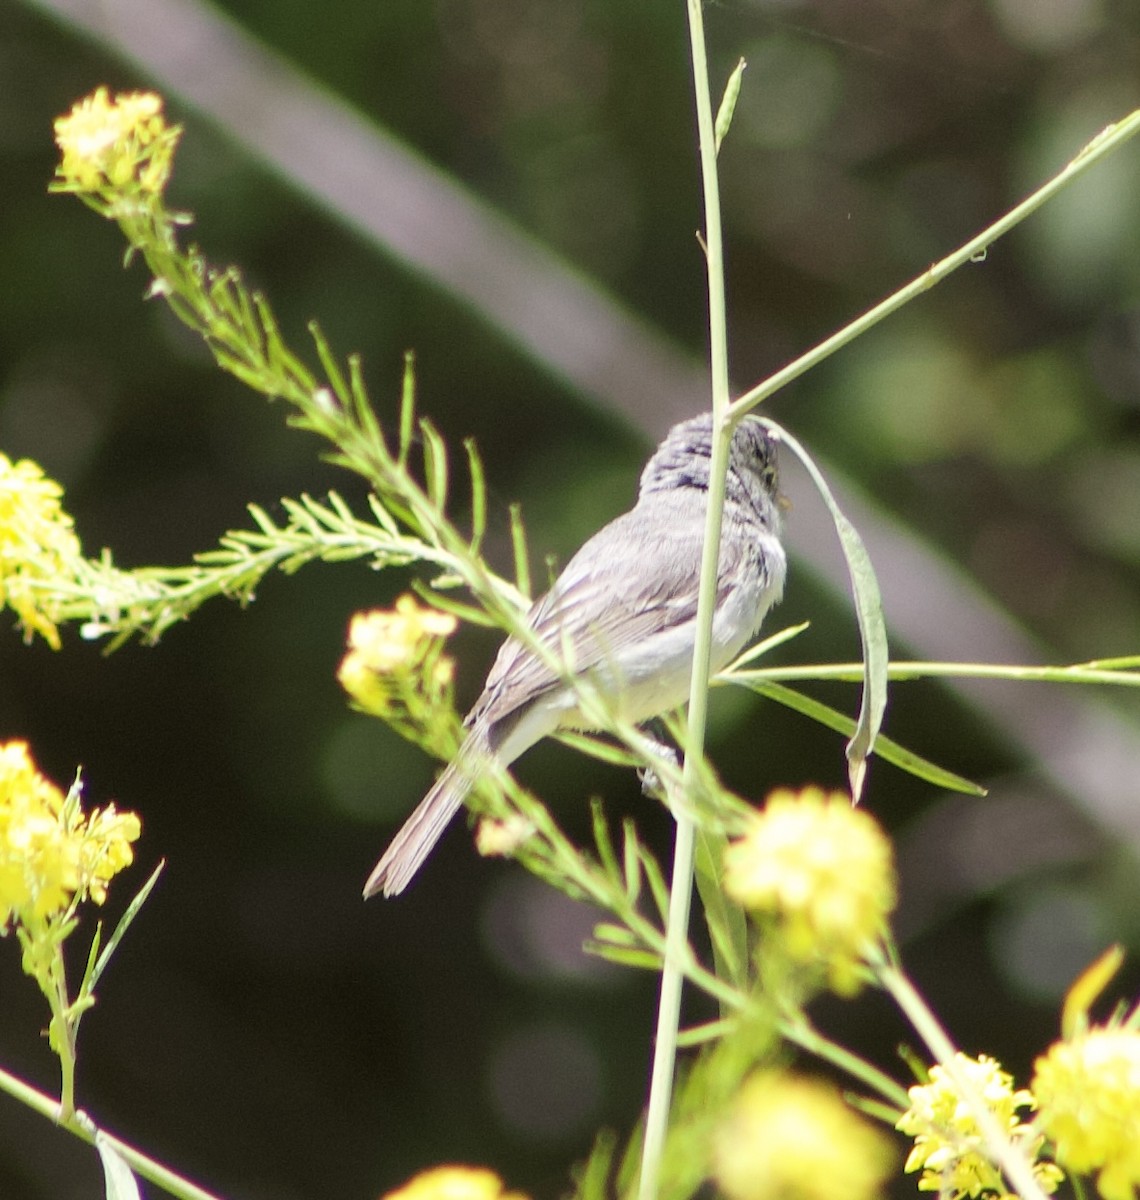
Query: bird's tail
{"points": [[420, 832]]}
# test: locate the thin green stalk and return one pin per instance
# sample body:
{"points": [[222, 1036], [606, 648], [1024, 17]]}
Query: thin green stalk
{"points": [[668, 1013], [903, 671], [677, 932], [64, 1029], [799, 1030], [1106, 142], [85, 1129]]}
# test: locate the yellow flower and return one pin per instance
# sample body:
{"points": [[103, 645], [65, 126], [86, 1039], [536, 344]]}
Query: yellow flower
{"points": [[823, 871], [1088, 1096], [949, 1148], [38, 546], [501, 839], [115, 144], [791, 1138], [387, 640], [389, 649], [454, 1183], [50, 851]]}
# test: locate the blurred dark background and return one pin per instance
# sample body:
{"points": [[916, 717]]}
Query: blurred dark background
{"points": [[262, 1029]]}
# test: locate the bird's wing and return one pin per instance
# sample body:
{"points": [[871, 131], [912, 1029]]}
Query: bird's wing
{"points": [[630, 580]]}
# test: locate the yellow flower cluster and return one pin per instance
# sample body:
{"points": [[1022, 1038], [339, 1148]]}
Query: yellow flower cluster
{"points": [[115, 145], [823, 872], [949, 1148], [381, 642], [792, 1137], [454, 1183], [1088, 1096], [51, 852], [395, 669], [38, 546]]}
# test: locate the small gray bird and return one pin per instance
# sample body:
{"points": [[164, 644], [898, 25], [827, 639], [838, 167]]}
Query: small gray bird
{"points": [[626, 606]]}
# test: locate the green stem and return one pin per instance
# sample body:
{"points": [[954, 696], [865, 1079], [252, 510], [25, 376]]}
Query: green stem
{"points": [[902, 671], [1017, 1168], [668, 1013], [799, 1030], [67, 1078], [82, 1127], [64, 1027], [669, 1006], [1105, 143]]}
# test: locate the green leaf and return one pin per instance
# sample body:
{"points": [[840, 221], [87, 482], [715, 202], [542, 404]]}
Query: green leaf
{"points": [[888, 750], [609, 752], [431, 594], [435, 463], [361, 406], [766, 645], [710, 1031], [122, 927], [261, 519], [407, 409], [603, 841], [253, 378], [644, 960], [478, 495], [656, 881], [118, 1177], [631, 865], [728, 926], [1087, 989], [614, 935], [519, 550], [868, 611], [331, 367], [728, 103], [382, 515], [591, 1179], [92, 959], [1128, 662]]}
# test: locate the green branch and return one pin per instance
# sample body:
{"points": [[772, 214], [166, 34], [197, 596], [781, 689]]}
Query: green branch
{"points": [[1122, 672], [710, 135], [86, 1130], [1107, 142]]}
